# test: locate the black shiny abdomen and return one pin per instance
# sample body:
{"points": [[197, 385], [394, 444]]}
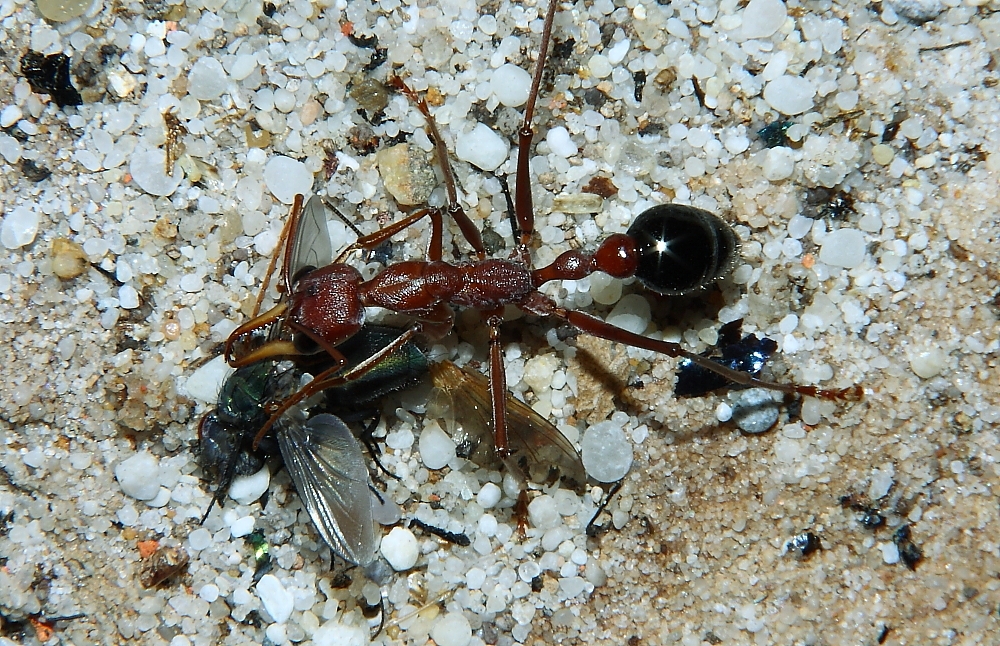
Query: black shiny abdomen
{"points": [[681, 248]]}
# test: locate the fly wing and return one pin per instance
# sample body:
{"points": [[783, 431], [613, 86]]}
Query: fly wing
{"points": [[311, 247], [329, 472], [539, 451]]}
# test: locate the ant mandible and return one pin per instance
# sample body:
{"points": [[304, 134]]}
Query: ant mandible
{"points": [[671, 249]]}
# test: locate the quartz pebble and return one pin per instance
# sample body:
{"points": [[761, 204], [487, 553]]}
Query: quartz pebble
{"points": [[148, 168], [762, 18], [843, 248], [400, 549], [247, 489], [755, 410], [278, 601], [453, 629], [510, 85], [286, 177], [790, 94], [406, 173], [543, 513], [488, 496], [63, 10], [606, 452], [19, 228], [205, 383], [482, 147], [242, 526], [207, 80], [436, 448], [139, 476], [928, 363], [335, 633]]}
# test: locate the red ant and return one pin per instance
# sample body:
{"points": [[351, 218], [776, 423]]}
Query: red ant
{"points": [[671, 249]]}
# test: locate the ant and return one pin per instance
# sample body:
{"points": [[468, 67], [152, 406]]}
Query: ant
{"points": [[671, 249]]}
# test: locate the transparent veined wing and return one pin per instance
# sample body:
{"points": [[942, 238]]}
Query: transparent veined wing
{"points": [[328, 469], [539, 451], [310, 245]]}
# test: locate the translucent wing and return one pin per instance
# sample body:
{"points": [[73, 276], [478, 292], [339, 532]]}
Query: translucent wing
{"points": [[311, 247], [329, 472], [539, 451]]}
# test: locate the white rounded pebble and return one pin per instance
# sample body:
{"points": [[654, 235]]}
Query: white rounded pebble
{"points": [[779, 163], [10, 148], [139, 476], [128, 297], [475, 578], [161, 498], [632, 313], [199, 539], [560, 143], [242, 526], [247, 489], [207, 80], [542, 512], [148, 170], [928, 363], [205, 383], [489, 496], [19, 228], [278, 601], [286, 178], [453, 629], [209, 592], [606, 452], [275, 634], [510, 84], [334, 633], [790, 94], [192, 283], [762, 18], [400, 549], [890, 552], [436, 448], [384, 510], [12, 114], [243, 66], [843, 248], [482, 147], [572, 586], [599, 65]]}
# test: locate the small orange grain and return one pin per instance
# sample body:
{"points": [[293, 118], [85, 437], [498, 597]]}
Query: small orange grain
{"points": [[347, 28], [43, 631], [127, 178], [808, 261], [146, 548]]}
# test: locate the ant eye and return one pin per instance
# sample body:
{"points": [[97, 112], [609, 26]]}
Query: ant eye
{"points": [[682, 248]]}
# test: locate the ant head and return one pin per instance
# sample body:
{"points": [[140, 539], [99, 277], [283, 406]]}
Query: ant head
{"points": [[682, 248]]}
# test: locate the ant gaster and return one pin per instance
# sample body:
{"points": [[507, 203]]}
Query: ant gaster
{"points": [[672, 249]]}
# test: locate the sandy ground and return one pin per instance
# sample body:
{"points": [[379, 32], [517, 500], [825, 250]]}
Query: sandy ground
{"points": [[703, 522]]}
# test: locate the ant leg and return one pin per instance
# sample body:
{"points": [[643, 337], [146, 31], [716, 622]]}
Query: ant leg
{"points": [[539, 304], [373, 240], [285, 239], [523, 207], [472, 234], [332, 377], [498, 383]]}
